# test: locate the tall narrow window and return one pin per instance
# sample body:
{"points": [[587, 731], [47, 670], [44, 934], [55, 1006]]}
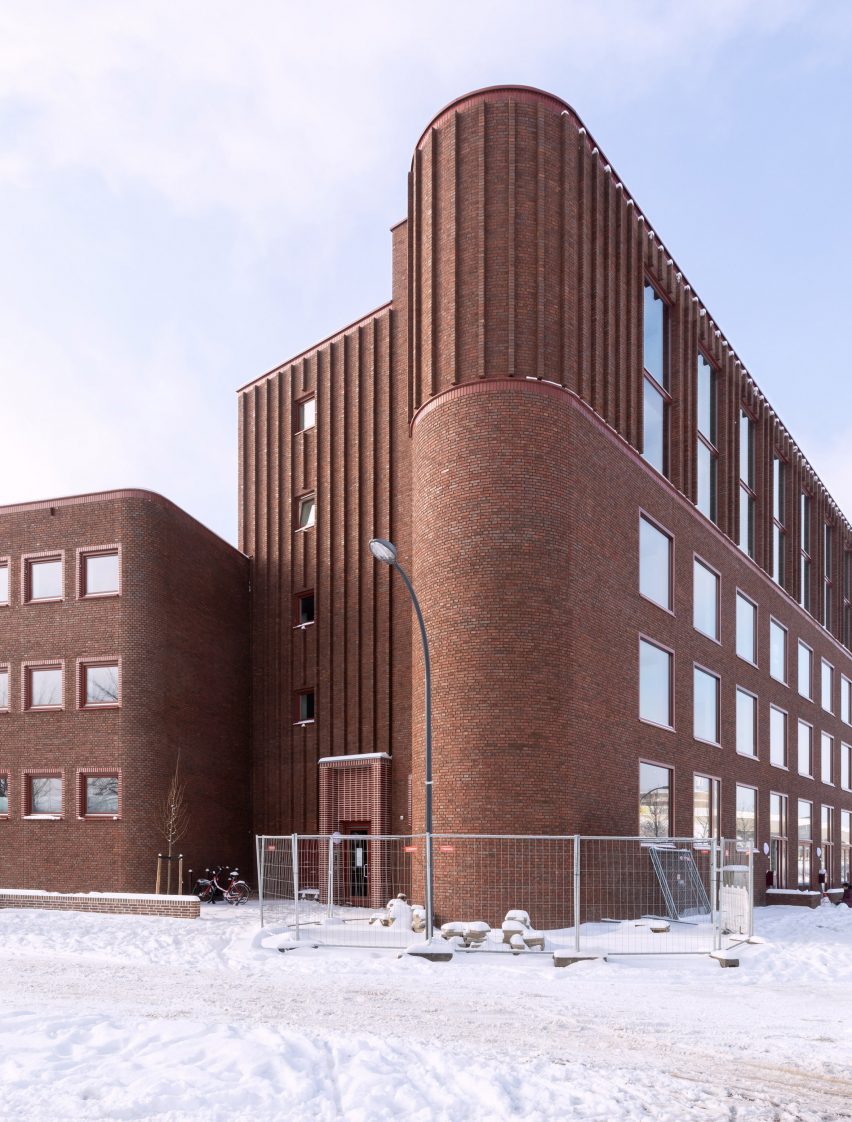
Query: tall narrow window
{"points": [[705, 807], [305, 707], [778, 839], [4, 582], [806, 670], [846, 766], [845, 845], [827, 686], [305, 608], [746, 818], [826, 835], [746, 723], [805, 839], [707, 452], [778, 651], [307, 512], [306, 413], [655, 564], [827, 577], [847, 599], [777, 736], [4, 795], [805, 748], [845, 700], [655, 684], [746, 489], [826, 758], [4, 687], [655, 801], [779, 520], [746, 628], [656, 398], [705, 706], [805, 550], [705, 600]]}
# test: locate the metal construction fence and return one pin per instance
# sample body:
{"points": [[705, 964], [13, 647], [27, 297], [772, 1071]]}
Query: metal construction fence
{"points": [[587, 895]]}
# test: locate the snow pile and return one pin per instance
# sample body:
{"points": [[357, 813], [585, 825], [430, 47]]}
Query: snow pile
{"points": [[135, 1018]]}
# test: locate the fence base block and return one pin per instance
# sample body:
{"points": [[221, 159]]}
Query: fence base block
{"points": [[436, 951], [568, 958], [725, 958]]}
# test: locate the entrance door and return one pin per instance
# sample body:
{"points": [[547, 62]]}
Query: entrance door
{"points": [[356, 834]]}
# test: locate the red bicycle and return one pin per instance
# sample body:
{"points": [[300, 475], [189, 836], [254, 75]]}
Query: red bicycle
{"points": [[210, 889]]}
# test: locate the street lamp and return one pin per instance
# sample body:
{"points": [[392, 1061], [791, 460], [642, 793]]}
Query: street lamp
{"points": [[385, 552]]}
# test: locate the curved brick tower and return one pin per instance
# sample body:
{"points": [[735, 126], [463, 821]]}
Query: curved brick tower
{"points": [[491, 185]]}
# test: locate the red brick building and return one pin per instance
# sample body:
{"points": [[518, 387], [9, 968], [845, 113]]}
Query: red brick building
{"points": [[123, 642], [638, 593]]}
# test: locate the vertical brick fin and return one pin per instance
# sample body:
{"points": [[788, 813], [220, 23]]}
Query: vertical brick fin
{"points": [[581, 293], [481, 368], [541, 228], [415, 280], [439, 240], [566, 257], [594, 290], [453, 357], [511, 234]]}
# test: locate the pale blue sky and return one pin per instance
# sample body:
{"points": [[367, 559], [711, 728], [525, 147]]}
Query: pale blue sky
{"points": [[190, 193]]}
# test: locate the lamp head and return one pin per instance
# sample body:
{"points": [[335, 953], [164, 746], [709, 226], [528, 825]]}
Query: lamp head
{"points": [[383, 551]]}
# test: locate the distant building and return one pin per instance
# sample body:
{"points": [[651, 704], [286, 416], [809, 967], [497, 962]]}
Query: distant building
{"points": [[638, 593], [123, 643]]}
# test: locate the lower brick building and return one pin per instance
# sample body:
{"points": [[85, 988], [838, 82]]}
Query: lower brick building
{"points": [[123, 651]]}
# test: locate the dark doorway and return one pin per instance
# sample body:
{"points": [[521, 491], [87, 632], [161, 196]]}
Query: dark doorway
{"points": [[356, 857]]}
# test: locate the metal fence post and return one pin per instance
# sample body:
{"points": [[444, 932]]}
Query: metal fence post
{"points": [[714, 894], [261, 850], [294, 849], [330, 882], [430, 919], [576, 892], [750, 892]]}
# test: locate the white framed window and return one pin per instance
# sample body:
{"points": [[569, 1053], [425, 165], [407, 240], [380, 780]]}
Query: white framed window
{"points": [[306, 413], [846, 766], [805, 748], [827, 686], [746, 817], [655, 684], [705, 806], [746, 723], [5, 692], [655, 563], [805, 830], [655, 800], [656, 399], [778, 651], [777, 736], [307, 512], [4, 581], [705, 599], [826, 758], [806, 670], [43, 578], [746, 629], [845, 700], [705, 705]]}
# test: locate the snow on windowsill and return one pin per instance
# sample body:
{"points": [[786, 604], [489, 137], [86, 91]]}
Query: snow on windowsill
{"points": [[42, 817]]}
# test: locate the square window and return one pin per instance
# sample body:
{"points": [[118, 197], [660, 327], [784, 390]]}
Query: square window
{"points": [[305, 608], [4, 796], [45, 794], [307, 512], [655, 684], [806, 670], [655, 564], [746, 629], [705, 601], [655, 801], [4, 582], [305, 707], [99, 685], [99, 795], [746, 723], [99, 573], [42, 579], [4, 687], [705, 706], [306, 414], [43, 687]]}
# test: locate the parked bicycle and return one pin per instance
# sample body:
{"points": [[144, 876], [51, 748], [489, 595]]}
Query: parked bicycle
{"points": [[215, 887]]}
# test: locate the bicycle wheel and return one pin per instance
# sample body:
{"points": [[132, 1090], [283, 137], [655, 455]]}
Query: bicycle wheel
{"points": [[239, 892]]}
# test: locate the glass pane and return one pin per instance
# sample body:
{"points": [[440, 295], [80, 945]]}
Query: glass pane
{"points": [[306, 608], [705, 600], [777, 737], [654, 801], [826, 753], [654, 335], [805, 740], [746, 539], [102, 794], [746, 724], [308, 413], [306, 707], [805, 669], [775, 815], [101, 685], [804, 820], [101, 574], [655, 672], [4, 584], [45, 687], [805, 582], [746, 816], [705, 496], [655, 562], [46, 795], [827, 692], [777, 652], [654, 430], [4, 689], [45, 580], [746, 629], [778, 540], [702, 819], [746, 450], [845, 698], [4, 794], [705, 721], [307, 513], [706, 400], [778, 490], [845, 765]]}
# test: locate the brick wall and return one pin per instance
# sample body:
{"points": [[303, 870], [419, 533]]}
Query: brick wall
{"points": [[175, 907]]}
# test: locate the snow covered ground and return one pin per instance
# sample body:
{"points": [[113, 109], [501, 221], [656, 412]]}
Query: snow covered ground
{"points": [[124, 1018]]}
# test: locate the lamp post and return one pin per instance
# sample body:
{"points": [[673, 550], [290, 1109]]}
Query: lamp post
{"points": [[385, 551]]}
